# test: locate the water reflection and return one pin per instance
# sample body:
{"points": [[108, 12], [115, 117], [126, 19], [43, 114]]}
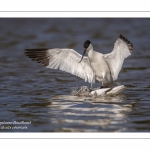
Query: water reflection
{"points": [[85, 114]]}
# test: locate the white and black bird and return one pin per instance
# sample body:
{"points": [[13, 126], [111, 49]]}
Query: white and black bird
{"points": [[96, 66]]}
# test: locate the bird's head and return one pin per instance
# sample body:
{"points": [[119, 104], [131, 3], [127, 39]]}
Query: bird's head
{"points": [[87, 46]]}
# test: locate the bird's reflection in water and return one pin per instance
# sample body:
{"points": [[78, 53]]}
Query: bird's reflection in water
{"points": [[73, 113]]}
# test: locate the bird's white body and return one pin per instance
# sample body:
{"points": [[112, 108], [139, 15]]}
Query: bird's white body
{"points": [[99, 66], [96, 66]]}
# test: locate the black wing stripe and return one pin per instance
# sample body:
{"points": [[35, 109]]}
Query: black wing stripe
{"points": [[38, 55], [129, 44]]}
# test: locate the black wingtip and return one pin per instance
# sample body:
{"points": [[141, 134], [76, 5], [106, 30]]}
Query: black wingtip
{"points": [[38, 55], [129, 44]]}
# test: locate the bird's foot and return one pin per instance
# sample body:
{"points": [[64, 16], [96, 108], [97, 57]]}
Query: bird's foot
{"points": [[90, 89], [101, 87]]}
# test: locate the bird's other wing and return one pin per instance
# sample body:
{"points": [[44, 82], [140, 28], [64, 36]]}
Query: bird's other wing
{"points": [[65, 60], [122, 49]]}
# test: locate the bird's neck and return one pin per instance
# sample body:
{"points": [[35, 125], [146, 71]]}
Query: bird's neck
{"points": [[90, 54]]}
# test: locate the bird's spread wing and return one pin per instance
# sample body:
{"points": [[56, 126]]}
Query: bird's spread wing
{"points": [[65, 60], [122, 49]]}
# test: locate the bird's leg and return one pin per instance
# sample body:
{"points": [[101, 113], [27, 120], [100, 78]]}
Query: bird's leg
{"points": [[90, 87], [102, 84]]}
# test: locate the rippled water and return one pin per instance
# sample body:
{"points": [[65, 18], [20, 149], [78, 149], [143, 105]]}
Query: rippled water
{"points": [[30, 92]]}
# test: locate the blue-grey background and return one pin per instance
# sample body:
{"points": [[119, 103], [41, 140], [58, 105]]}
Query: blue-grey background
{"points": [[30, 92]]}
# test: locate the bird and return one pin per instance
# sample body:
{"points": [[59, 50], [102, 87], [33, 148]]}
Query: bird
{"points": [[96, 66]]}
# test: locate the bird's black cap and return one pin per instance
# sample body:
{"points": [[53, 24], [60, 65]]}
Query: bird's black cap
{"points": [[86, 44]]}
